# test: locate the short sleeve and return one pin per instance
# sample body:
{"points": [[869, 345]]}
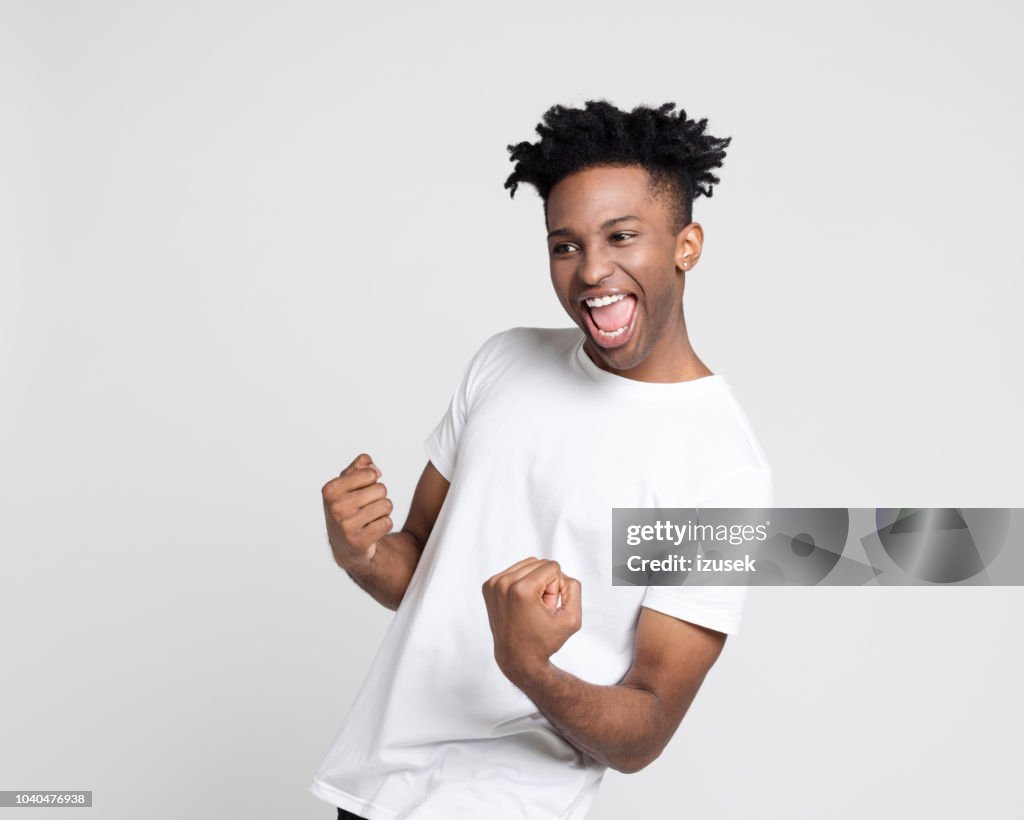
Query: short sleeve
{"points": [[442, 445], [717, 607]]}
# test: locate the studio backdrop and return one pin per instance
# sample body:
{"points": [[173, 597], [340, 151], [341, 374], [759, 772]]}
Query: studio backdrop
{"points": [[241, 243]]}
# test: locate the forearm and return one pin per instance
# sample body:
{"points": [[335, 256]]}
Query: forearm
{"points": [[385, 577], [619, 726]]}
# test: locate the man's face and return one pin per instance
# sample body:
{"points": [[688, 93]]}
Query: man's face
{"points": [[633, 267]]}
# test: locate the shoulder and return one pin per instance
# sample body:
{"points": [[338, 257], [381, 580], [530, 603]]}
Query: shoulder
{"points": [[519, 343], [738, 463], [736, 424], [536, 337], [515, 358]]}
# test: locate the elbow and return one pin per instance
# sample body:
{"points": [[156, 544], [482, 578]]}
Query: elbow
{"points": [[632, 765]]}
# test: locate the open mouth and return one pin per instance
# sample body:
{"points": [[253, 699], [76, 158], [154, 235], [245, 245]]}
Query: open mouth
{"points": [[610, 319]]}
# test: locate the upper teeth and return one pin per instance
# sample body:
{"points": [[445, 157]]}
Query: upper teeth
{"points": [[601, 301]]}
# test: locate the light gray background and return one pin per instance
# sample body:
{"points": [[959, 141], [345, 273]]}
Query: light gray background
{"points": [[242, 242]]}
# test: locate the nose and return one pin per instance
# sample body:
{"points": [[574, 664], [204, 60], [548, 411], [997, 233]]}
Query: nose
{"points": [[594, 267]]}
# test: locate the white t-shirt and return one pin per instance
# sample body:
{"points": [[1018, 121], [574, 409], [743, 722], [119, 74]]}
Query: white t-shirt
{"points": [[539, 445]]}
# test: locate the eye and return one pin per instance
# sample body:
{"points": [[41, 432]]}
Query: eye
{"points": [[623, 234], [559, 247]]}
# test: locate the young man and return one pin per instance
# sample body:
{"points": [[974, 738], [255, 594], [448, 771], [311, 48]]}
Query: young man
{"points": [[512, 703]]}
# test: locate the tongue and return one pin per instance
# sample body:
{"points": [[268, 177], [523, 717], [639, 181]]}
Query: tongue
{"points": [[613, 316]]}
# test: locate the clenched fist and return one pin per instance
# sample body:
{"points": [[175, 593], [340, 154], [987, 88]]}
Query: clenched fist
{"points": [[358, 512], [533, 608]]}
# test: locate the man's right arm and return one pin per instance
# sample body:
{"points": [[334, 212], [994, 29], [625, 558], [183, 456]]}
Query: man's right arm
{"points": [[358, 515]]}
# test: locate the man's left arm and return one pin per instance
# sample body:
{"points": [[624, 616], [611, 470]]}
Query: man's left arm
{"points": [[624, 726]]}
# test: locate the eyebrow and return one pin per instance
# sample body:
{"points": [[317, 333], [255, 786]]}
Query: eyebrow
{"points": [[606, 224]]}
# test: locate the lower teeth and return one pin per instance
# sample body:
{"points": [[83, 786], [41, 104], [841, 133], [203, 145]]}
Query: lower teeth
{"points": [[613, 333]]}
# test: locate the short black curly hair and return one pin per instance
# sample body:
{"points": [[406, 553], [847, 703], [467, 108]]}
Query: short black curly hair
{"points": [[673, 149]]}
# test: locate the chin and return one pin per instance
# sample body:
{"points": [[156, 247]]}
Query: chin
{"points": [[618, 358]]}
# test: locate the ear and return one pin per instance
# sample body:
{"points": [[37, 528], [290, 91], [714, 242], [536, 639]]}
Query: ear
{"points": [[689, 242]]}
